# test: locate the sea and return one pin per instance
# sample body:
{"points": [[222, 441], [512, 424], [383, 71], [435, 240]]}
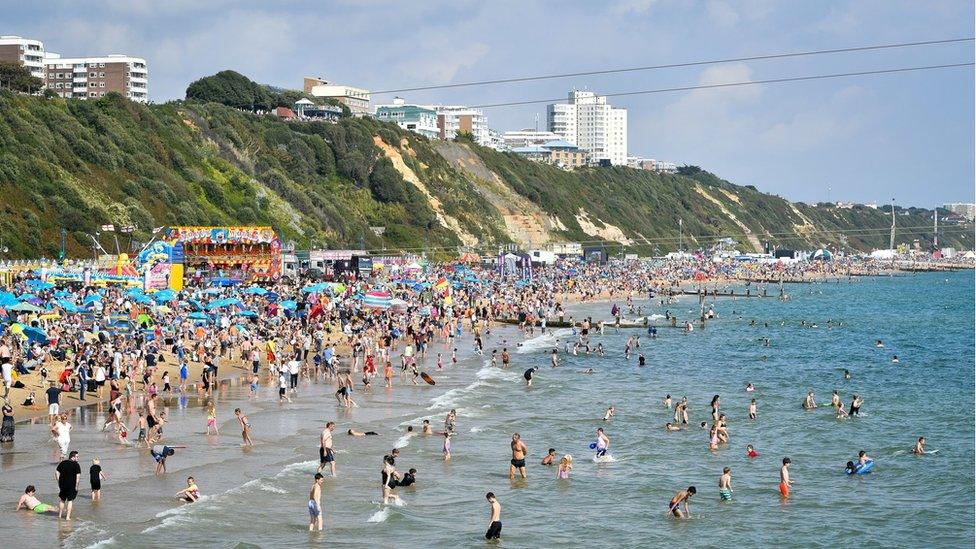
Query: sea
{"points": [[257, 497]]}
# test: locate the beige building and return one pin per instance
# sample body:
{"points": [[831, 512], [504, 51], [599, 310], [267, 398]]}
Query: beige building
{"points": [[92, 77], [357, 99]]}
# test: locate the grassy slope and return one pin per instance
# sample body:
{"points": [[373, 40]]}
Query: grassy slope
{"points": [[79, 164], [649, 205]]}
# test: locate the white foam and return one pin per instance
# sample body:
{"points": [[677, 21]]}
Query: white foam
{"points": [[102, 543], [497, 373], [404, 441], [606, 458], [272, 489], [450, 398], [380, 516], [545, 341]]}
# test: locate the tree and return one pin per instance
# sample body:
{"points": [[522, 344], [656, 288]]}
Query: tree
{"points": [[232, 89], [16, 77]]}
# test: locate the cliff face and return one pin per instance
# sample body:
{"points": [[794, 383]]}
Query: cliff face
{"points": [[80, 164]]}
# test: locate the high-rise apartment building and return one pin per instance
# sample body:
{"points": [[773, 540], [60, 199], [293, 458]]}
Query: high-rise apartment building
{"points": [[23, 51], [92, 77], [588, 121]]}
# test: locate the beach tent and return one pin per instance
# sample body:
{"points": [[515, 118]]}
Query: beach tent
{"points": [[315, 288], [255, 290], [247, 314], [822, 254], [68, 306], [289, 304], [197, 315], [92, 298]]}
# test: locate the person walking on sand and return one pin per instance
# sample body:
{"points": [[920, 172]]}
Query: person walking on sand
{"points": [[326, 455], [315, 504], [519, 450], [495, 517]]}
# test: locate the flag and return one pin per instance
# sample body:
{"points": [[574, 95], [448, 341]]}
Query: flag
{"points": [[441, 285]]}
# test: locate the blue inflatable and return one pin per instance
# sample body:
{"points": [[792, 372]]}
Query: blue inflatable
{"points": [[859, 469], [592, 446]]}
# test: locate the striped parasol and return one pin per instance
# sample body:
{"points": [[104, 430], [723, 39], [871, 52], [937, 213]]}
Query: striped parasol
{"points": [[377, 300]]}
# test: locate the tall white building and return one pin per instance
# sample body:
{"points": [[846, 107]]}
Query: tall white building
{"points": [[588, 121], [23, 51]]}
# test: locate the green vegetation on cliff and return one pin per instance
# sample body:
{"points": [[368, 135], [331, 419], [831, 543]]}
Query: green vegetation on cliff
{"points": [[80, 164]]}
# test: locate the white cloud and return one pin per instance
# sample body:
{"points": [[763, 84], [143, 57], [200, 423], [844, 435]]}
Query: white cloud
{"points": [[834, 120], [439, 62], [633, 6], [722, 14]]}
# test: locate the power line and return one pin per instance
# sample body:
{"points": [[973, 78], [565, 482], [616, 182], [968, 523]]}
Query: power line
{"points": [[678, 65], [735, 84]]}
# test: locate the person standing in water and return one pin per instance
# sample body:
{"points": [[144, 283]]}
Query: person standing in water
{"points": [[519, 450], [784, 478], [554, 359], [326, 455], [495, 518], [602, 443], [528, 376], [725, 484], [315, 504], [565, 466], [609, 414], [245, 427]]}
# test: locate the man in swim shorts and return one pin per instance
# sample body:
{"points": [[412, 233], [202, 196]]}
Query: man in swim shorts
{"points": [[528, 376], [326, 456], [30, 502], [725, 484], [519, 449], [784, 478], [495, 520], [674, 507], [315, 504], [160, 453]]}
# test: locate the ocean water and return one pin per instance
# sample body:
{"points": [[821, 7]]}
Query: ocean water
{"points": [[257, 497]]}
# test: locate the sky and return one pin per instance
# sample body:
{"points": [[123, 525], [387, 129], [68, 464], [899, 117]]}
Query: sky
{"points": [[866, 139]]}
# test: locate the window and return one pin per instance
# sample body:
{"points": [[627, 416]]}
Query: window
{"points": [[91, 94], [101, 65], [91, 84], [92, 74], [101, 75], [91, 65], [101, 84], [57, 86]]}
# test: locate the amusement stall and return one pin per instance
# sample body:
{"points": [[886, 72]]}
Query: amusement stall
{"points": [[226, 255]]}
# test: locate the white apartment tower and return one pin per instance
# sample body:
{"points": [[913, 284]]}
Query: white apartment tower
{"points": [[23, 51], [589, 122]]}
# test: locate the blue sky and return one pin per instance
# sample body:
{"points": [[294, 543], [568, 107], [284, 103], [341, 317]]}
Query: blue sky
{"points": [[908, 137]]}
